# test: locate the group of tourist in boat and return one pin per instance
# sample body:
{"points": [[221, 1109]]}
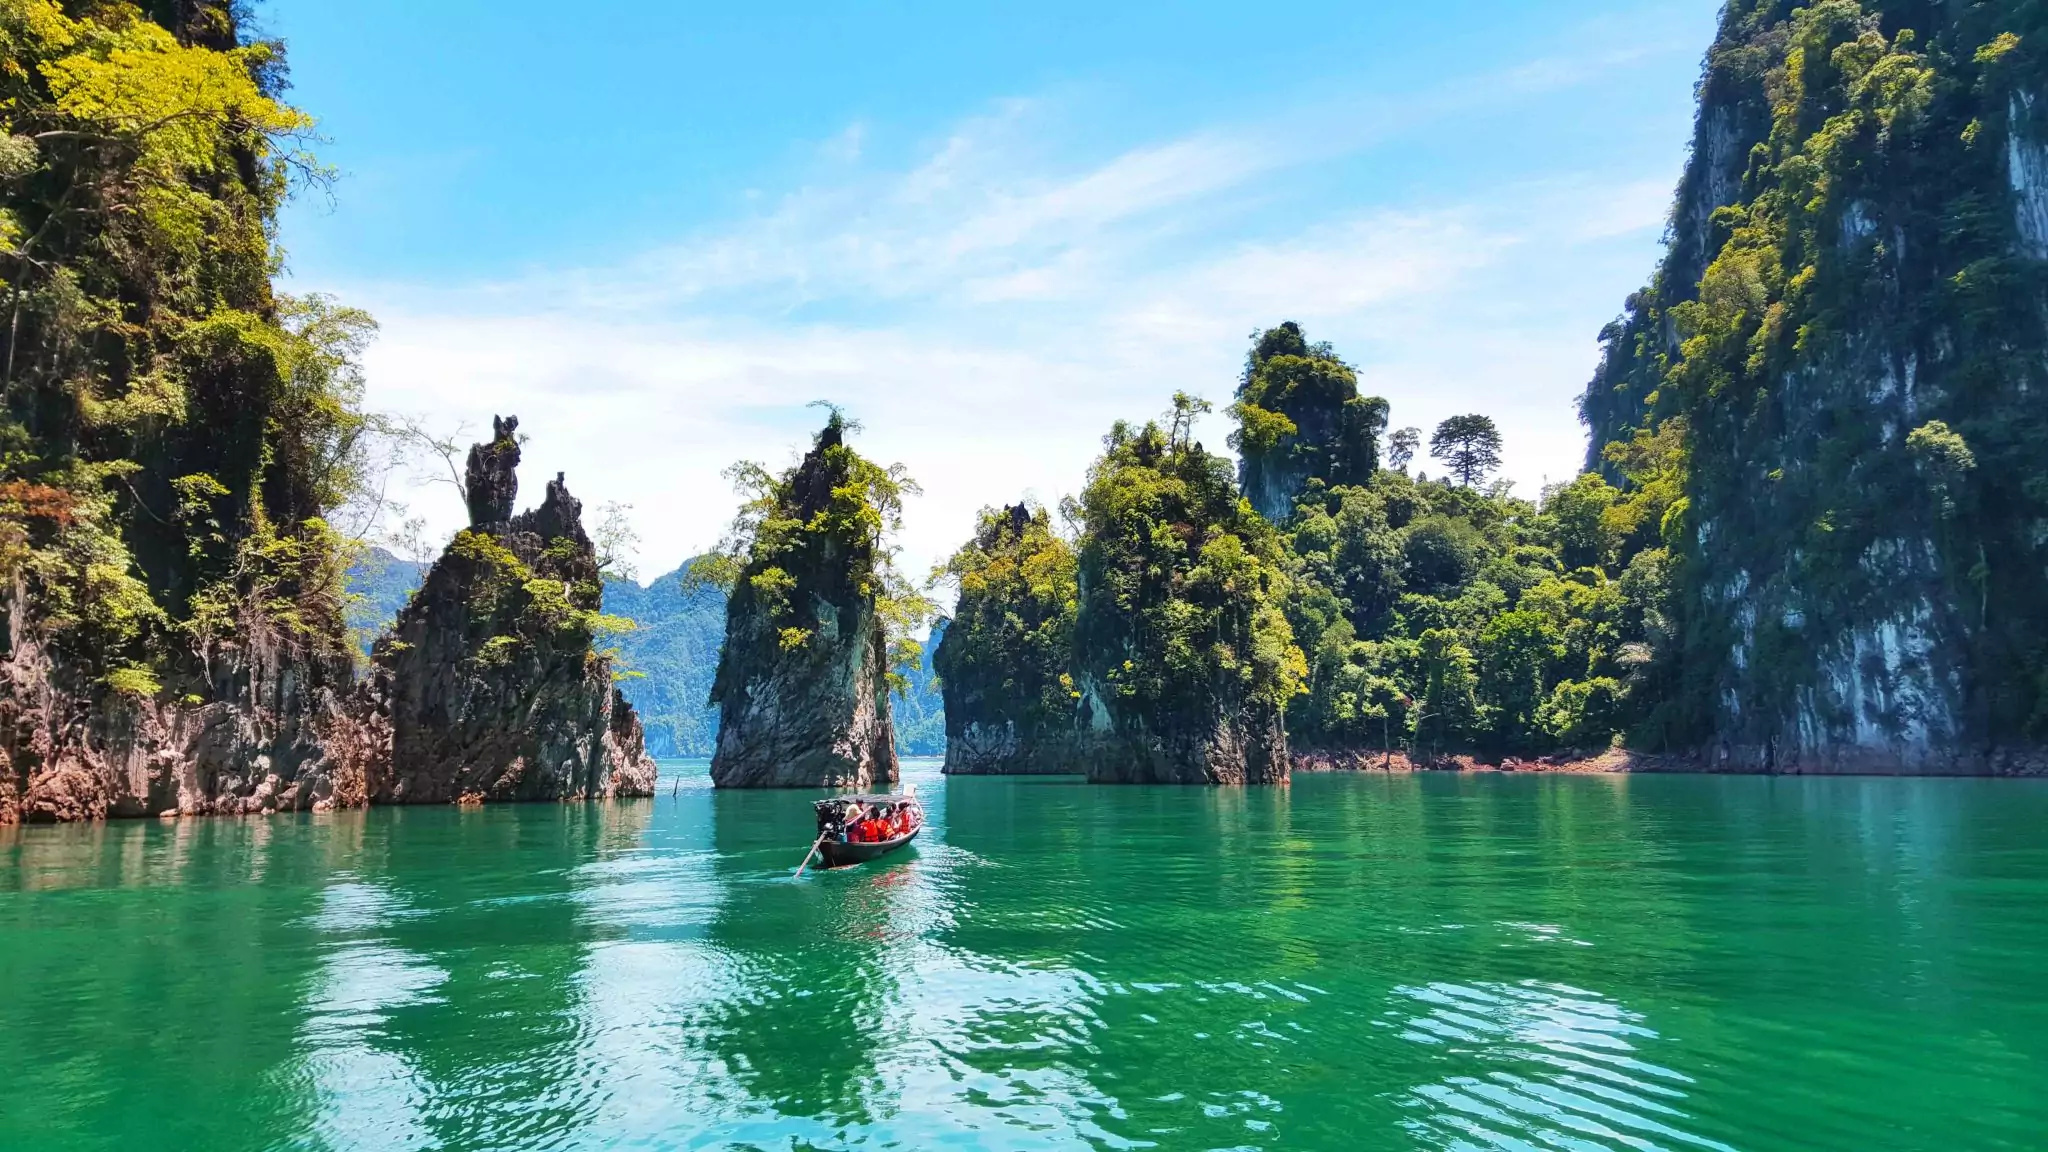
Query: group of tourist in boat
{"points": [[853, 829], [881, 824]]}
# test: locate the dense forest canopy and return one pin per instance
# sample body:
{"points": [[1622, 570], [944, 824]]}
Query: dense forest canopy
{"points": [[174, 435], [1445, 617], [1181, 583]]}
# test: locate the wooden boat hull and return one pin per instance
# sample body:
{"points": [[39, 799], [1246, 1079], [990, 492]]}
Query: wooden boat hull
{"points": [[839, 854]]}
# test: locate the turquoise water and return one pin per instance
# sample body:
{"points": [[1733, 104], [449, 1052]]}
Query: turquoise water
{"points": [[1356, 962]]}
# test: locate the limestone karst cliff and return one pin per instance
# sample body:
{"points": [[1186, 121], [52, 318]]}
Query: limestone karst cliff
{"points": [[1826, 404], [1183, 657], [489, 683], [177, 433], [803, 679], [1002, 662]]}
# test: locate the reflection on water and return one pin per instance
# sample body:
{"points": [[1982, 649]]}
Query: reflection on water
{"points": [[448, 1005], [1355, 962], [804, 971]]}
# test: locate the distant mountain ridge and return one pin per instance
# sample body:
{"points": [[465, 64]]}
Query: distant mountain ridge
{"points": [[671, 655]]}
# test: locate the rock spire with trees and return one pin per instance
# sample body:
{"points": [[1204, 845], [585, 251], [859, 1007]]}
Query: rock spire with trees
{"points": [[1184, 658], [817, 617], [1003, 661]]}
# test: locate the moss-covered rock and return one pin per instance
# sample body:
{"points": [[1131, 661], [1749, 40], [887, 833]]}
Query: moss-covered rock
{"points": [[1857, 257], [1184, 658], [175, 433], [1300, 416], [1003, 660]]}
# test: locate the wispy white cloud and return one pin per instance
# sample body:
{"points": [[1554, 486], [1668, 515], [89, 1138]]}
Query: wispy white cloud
{"points": [[990, 308]]}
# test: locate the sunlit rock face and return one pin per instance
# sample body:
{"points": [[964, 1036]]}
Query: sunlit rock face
{"points": [[1851, 329], [488, 686]]}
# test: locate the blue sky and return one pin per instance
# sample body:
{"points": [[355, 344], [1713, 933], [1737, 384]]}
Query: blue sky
{"points": [[655, 231]]}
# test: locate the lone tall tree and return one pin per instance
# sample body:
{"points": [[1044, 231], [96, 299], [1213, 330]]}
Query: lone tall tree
{"points": [[1401, 448], [1468, 445]]}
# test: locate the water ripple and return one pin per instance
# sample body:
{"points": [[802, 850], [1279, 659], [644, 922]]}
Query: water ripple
{"points": [[1562, 1070]]}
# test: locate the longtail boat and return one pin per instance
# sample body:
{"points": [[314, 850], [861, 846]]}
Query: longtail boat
{"points": [[857, 829]]}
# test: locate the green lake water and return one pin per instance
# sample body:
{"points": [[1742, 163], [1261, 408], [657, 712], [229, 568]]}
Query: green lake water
{"points": [[1355, 962]]}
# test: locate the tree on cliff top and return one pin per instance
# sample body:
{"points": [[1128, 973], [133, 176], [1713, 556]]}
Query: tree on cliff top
{"points": [[1181, 583], [1468, 445], [175, 434], [827, 524]]}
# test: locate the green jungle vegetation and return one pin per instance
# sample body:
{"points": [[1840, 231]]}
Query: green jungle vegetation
{"points": [[1447, 617], [1181, 583], [1298, 415], [178, 440], [1387, 610], [174, 435], [1825, 406], [1006, 650], [520, 609]]}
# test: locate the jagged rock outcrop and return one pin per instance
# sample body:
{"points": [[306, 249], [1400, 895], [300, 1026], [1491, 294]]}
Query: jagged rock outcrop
{"points": [[1183, 657], [1837, 374], [491, 477], [1002, 660], [1300, 416], [488, 686], [802, 686]]}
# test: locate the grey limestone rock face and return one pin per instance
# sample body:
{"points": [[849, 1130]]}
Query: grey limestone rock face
{"points": [[1846, 610], [491, 478], [812, 719], [814, 712], [261, 745], [1238, 741], [988, 748]]}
